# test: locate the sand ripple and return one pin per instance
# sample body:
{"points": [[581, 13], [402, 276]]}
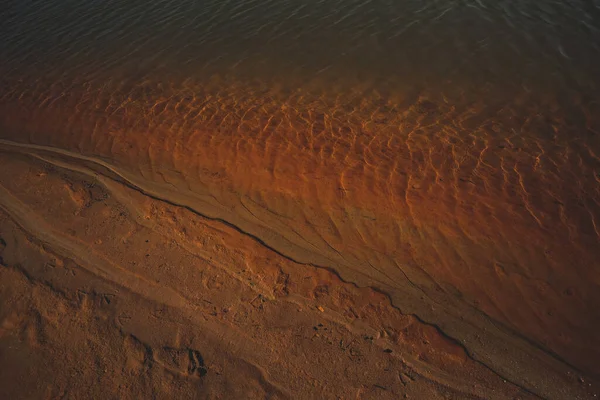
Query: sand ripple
{"points": [[480, 220]]}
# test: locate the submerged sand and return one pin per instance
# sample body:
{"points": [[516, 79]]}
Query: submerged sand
{"points": [[214, 244]]}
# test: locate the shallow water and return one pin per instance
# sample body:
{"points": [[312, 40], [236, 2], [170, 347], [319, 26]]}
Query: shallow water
{"points": [[445, 152]]}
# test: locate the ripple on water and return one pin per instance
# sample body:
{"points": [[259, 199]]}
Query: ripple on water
{"points": [[444, 152], [456, 216]]}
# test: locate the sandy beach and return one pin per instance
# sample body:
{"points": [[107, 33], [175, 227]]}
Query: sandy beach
{"points": [[326, 200]]}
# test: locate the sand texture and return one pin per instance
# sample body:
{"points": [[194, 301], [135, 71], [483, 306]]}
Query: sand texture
{"points": [[205, 242]]}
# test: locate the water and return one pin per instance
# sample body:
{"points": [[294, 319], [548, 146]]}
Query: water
{"points": [[445, 152], [384, 43]]}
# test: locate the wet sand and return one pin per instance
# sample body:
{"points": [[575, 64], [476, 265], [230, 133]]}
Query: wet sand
{"points": [[467, 236]]}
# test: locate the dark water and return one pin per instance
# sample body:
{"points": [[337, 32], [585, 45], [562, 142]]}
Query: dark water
{"points": [[500, 45], [447, 152]]}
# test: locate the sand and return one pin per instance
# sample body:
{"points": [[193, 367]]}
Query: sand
{"points": [[110, 294], [181, 243]]}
